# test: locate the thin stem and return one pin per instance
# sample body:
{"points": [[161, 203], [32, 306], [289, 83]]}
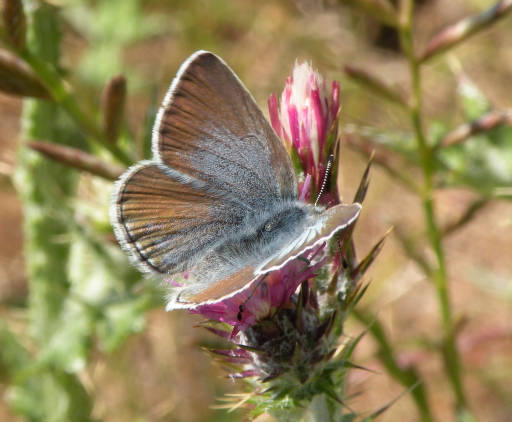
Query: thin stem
{"points": [[78, 159], [66, 100], [484, 123], [471, 211], [450, 354], [381, 158], [413, 251]]}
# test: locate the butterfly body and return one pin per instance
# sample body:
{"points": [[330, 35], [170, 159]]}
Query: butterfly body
{"points": [[220, 198], [258, 236]]}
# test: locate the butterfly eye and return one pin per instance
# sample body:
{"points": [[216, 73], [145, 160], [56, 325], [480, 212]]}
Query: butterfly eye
{"points": [[268, 226]]}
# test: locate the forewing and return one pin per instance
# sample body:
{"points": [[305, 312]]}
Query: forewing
{"points": [[164, 219], [322, 229], [209, 127]]}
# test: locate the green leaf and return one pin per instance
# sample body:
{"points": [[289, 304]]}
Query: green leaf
{"points": [[43, 390], [102, 278], [51, 396], [482, 162], [111, 25], [473, 101], [13, 356], [67, 348], [45, 188], [120, 321]]}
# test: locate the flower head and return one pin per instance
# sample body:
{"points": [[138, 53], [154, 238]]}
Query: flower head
{"points": [[275, 330], [305, 118]]}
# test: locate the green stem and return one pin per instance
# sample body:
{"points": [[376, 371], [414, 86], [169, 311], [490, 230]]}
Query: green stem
{"points": [[450, 353], [63, 96]]}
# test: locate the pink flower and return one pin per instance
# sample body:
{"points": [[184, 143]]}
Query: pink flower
{"points": [[305, 118]]}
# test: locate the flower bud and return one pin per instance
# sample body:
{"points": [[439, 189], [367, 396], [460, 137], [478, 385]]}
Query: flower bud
{"points": [[306, 117]]}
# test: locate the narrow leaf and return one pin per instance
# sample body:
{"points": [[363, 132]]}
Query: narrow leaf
{"points": [[78, 159], [458, 32], [17, 78], [376, 85], [368, 259], [483, 124]]}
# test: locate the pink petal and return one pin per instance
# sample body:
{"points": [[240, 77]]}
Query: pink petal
{"points": [[293, 118], [320, 119]]}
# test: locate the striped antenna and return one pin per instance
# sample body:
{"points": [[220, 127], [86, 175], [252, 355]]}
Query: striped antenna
{"points": [[326, 177]]}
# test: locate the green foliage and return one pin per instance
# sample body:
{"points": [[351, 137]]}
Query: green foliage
{"points": [[472, 100], [44, 387], [483, 162], [109, 26], [80, 288]]}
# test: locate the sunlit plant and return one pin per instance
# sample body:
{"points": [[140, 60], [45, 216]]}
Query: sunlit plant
{"points": [[284, 338]]}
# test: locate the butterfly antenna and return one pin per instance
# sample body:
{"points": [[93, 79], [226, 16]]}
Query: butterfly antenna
{"points": [[242, 305], [326, 178]]}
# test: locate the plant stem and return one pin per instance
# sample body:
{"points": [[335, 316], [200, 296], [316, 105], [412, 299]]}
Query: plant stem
{"points": [[449, 348], [62, 95], [471, 211]]}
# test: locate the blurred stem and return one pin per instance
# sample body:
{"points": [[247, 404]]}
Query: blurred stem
{"points": [[412, 250], [62, 95], [76, 158], [484, 123], [457, 33], [405, 376], [471, 211], [450, 353], [357, 143]]}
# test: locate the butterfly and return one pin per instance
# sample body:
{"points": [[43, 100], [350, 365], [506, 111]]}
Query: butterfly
{"points": [[219, 199]]}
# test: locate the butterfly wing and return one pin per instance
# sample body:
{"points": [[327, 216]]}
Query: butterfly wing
{"points": [[323, 227], [216, 158], [209, 127], [164, 219]]}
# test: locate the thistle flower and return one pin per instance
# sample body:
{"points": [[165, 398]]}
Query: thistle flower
{"points": [[306, 119], [283, 332]]}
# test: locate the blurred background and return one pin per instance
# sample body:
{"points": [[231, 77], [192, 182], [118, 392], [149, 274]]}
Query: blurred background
{"points": [[135, 362]]}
